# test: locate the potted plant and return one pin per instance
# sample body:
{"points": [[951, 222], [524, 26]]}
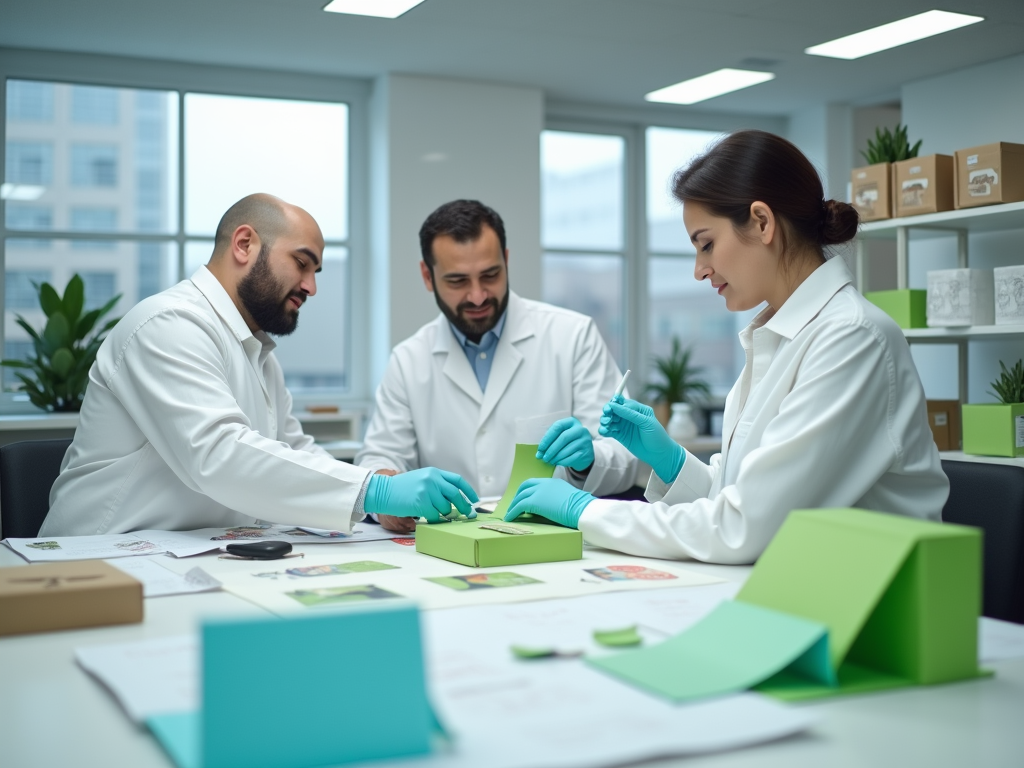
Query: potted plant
{"points": [[872, 184], [64, 349], [681, 383], [997, 429]]}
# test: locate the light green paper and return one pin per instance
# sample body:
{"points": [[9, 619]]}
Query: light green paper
{"points": [[525, 466], [900, 596], [618, 638], [735, 647]]}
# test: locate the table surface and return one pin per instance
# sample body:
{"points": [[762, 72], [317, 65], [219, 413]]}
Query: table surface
{"points": [[54, 714]]}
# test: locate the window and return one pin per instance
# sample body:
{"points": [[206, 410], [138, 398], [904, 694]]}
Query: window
{"points": [[109, 173], [94, 106], [29, 102], [583, 228], [94, 165], [28, 162]]}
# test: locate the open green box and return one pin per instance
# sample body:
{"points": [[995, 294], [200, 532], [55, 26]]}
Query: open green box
{"points": [[907, 306], [993, 429], [841, 601], [465, 542]]}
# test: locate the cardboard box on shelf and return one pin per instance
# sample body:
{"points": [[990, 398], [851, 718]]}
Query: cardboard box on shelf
{"points": [[906, 306], [960, 297], [923, 185], [944, 419], [989, 174], [84, 593], [470, 543], [872, 191], [1009, 290]]}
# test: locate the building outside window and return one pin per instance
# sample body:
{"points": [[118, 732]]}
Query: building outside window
{"points": [[28, 162], [92, 105], [94, 165]]}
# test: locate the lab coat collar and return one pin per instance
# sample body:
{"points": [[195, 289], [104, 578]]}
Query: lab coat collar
{"points": [[807, 300], [217, 295]]}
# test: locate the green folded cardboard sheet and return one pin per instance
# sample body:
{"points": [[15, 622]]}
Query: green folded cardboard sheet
{"points": [[525, 466], [250, 716], [898, 597], [468, 543]]}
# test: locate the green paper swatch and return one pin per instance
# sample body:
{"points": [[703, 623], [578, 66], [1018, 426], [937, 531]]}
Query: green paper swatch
{"points": [[525, 466], [618, 638]]}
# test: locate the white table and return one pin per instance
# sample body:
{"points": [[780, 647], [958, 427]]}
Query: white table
{"points": [[53, 714]]}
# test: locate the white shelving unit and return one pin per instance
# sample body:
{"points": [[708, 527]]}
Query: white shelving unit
{"points": [[958, 224]]}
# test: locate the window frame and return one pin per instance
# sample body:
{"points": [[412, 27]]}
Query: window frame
{"points": [[182, 78]]}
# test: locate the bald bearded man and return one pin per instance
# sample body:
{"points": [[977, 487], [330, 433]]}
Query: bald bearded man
{"points": [[186, 421]]}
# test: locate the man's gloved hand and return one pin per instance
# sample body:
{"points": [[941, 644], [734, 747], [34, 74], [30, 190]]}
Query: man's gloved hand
{"points": [[427, 492], [633, 424], [567, 443], [554, 499]]}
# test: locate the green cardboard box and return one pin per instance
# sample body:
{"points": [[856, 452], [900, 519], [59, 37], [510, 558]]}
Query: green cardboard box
{"points": [[994, 429], [900, 597], [465, 542], [908, 307]]}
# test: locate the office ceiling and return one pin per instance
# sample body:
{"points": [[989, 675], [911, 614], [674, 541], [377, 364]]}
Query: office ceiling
{"points": [[597, 51]]}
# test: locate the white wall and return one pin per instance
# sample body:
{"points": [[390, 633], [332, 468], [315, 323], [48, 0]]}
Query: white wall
{"points": [[962, 109], [435, 140]]}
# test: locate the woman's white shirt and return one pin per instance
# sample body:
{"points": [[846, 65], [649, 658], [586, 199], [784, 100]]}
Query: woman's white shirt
{"points": [[828, 412]]}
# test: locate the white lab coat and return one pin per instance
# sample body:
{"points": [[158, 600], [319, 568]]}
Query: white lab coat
{"points": [[430, 411], [828, 412], [187, 424]]}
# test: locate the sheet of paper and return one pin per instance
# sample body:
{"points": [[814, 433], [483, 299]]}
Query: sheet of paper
{"points": [[158, 581], [147, 677], [525, 466], [999, 640], [63, 548], [533, 428], [733, 649]]}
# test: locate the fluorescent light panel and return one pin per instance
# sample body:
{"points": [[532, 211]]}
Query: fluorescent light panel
{"points": [[21, 192], [709, 86], [893, 34], [384, 9]]}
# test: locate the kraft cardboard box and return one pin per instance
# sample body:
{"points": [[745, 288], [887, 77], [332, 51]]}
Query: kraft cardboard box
{"points": [[872, 191], [49, 596], [923, 185], [944, 420], [470, 543], [989, 174]]}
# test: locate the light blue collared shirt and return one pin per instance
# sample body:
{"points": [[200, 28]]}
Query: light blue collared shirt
{"points": [[481, 355]]}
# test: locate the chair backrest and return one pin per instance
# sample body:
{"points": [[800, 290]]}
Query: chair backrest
{"points": [[27, 472], [991, 497]]}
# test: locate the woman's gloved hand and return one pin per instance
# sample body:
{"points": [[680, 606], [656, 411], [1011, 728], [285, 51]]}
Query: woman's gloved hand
{"points": [[554, 499], [634, 425]]}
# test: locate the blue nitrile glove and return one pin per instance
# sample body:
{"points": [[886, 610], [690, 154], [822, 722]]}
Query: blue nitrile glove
{"points": [[427, 492], [554, 499], [567, 443], [633, 424]]}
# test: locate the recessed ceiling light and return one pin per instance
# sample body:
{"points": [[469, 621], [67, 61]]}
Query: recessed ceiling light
{"points": [[708, 86], [385, 9], [893, 34]]}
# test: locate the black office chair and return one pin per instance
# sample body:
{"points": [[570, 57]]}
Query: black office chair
{"points": [[991, 497], [27, 472]]}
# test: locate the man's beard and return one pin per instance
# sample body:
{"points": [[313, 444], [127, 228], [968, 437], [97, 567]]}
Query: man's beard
{"points": [[473, 329], [260, 294]]}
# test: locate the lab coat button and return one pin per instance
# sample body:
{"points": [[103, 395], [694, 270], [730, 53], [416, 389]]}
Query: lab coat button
{"points": [[483, 355]]}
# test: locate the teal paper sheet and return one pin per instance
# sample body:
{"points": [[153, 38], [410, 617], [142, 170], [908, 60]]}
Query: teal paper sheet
{"points": [[734, 648]]}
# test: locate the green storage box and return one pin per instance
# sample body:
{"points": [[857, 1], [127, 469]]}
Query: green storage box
{"points": [[465, 542], [994, 429], [908, 307]]}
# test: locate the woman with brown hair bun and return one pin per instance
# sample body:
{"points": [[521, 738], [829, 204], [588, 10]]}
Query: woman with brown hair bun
{"points": [[828, 411]]}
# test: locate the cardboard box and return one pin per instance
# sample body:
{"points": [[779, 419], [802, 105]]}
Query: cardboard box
{"points": [[906, 306], [923, 185], [84, 593], [960, 297], [994, 429], [872, 191], [991, 173], [944, 420], [1009, 290], [466, 542]]}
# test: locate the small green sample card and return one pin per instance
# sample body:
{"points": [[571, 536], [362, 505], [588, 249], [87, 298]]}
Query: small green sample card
{"points": [[483, 580], [525, 466], [477, 544]]}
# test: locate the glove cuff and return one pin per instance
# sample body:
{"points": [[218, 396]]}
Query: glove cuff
{"points": [[580, 500], [376, 497], [670, 469]]}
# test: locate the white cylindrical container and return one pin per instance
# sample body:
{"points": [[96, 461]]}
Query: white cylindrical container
{"points": [[682, 427]]}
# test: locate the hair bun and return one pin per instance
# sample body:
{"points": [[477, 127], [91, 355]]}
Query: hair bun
{"points": [[838, 222]]}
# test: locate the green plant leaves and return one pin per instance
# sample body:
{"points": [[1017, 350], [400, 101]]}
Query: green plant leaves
{"points": [[57, 333], [74, 299], [62, 361], [49, 300], [1009, 387], [681, 381], [890, 146]]}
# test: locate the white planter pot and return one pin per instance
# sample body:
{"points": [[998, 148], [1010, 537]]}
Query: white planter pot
{"points": [[681, 426]]}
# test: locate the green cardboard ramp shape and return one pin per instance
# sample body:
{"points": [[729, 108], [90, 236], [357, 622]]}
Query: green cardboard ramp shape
{"points": [[900, 597], [525, 466], [253, 715], [468, 542]]}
